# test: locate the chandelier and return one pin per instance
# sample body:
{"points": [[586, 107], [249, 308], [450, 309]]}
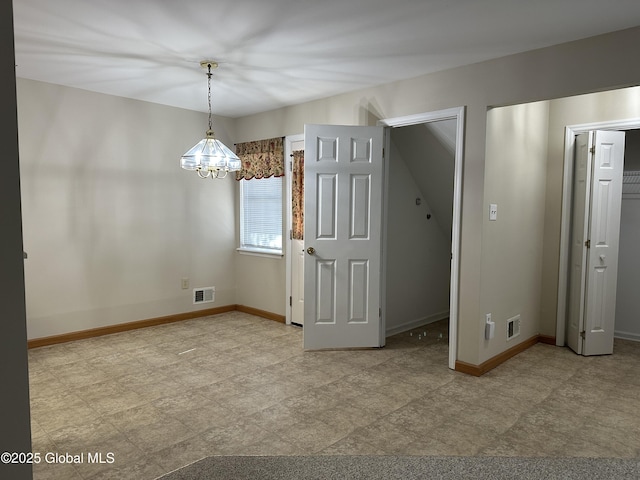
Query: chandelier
{"points": [[210, 157]]}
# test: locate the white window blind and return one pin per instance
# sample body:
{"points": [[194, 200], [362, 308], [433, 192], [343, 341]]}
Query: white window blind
{"points": [[261, 215]]}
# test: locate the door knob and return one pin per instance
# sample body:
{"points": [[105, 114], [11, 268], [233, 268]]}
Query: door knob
{"points": [[311, 250]]}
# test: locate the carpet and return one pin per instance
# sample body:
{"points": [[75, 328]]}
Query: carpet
{"points": [[405, 467]]}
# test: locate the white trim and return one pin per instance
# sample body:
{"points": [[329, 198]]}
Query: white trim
{"points": [[405, 327], [288, 151], [457, 113], [565, 227], [258, 252], [385, 230]]}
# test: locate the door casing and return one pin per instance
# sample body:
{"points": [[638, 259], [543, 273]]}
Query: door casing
{"points": [[567, 195], [291, 143], [458, 114]]}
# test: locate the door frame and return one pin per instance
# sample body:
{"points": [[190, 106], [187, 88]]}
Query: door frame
{"points": [[565, 226], [289, 140], [458, 114]]}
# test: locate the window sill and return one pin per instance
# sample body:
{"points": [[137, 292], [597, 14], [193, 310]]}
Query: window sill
{"points": [[257, 252]]}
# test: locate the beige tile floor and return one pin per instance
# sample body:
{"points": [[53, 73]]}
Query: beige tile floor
{"points": [[162, 397]]}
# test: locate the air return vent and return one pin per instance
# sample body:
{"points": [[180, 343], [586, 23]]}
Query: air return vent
{"points": [[513, 327], [204, 295]]}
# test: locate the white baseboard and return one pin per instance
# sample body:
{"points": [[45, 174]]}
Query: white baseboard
{"points": [[627, 336], [405, 327]]}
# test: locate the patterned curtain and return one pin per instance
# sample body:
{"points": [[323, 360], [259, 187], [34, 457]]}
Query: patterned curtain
{"points": [[297, 195], [261, 159]]}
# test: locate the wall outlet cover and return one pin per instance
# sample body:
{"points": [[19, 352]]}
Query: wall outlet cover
{"points": [[204, 295], [513, 327]]}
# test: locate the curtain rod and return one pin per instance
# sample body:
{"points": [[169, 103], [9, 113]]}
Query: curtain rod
{"points": [[235, 144]]}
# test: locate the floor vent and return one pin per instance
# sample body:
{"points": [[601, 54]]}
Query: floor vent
{"points": [[513, 327], [204, 295]]}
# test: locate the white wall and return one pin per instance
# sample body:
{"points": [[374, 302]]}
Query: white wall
{"points": [[512, 247], [111, 222], [261, 283], [418, 254]]}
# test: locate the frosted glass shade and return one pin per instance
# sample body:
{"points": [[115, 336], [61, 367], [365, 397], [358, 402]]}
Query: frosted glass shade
{"points": [[210, 154]]}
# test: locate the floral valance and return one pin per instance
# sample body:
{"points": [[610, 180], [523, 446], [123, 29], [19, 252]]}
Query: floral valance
{"points": [[297, 195], [261, 159]]}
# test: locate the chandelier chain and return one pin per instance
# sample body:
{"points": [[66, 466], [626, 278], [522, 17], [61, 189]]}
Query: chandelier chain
{"points": [[209, 94]]}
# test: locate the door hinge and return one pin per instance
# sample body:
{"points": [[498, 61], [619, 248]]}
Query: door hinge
{"points": [[383, 152], [587, 244], [592, 150], [583, 334], [291, 301], [290, 166], [290, 234], [380, 312]]}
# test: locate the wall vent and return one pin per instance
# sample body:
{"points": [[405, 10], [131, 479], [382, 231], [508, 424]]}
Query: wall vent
{"points": [[204, 295], [513, 327]]}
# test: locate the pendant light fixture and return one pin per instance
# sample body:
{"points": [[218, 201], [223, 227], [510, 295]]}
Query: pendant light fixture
{"points": [[210, 157]]}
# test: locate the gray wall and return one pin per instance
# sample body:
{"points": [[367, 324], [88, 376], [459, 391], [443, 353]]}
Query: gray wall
{"points": [[627, 323], [627, 311], [632, 150], [431, 161], [15, 430]]}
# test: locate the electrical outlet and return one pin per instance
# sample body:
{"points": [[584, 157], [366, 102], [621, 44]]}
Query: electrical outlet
{"points": [[489, 328], [185, 283]]}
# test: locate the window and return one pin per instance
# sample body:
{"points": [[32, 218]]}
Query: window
{"points": [[261, 215]]}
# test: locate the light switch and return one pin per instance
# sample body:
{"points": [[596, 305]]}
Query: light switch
{"points": [[493, 211]]}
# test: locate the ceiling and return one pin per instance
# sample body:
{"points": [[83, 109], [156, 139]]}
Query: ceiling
{"points": [[274, 53]]}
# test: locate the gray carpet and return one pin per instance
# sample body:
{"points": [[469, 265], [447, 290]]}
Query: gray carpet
{"points": [[405, 468]]}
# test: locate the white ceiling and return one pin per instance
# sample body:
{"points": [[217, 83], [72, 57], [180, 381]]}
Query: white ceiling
{"points": [[274, 53]]}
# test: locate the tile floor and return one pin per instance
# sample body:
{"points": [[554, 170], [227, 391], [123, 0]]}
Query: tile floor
{"points": [[162, 397]]}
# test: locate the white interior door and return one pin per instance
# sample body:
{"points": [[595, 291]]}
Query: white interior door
{"points": [[579, 235], [595, 239], [343, 231]]}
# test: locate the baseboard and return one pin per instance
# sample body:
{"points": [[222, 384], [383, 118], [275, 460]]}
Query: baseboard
{"points": [[627, 336], [151, 322], [405, 327], [484, 367], [262, 313], [547, 339]]}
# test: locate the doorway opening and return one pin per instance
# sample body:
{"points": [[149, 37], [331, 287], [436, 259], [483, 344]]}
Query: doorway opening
{"points": [[571, 132], [421, 241], [440, 217]]}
